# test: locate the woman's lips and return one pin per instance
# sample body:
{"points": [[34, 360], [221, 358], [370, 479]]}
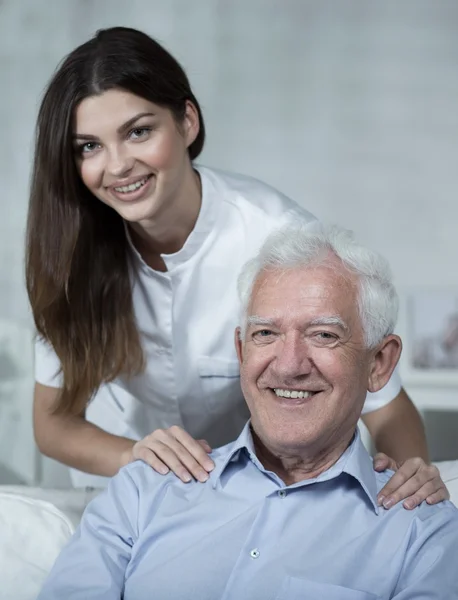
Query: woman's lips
{"points": [[135, 194]]}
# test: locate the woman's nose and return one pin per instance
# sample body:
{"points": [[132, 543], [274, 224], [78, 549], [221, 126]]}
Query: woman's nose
{"points": [[119, 163]]}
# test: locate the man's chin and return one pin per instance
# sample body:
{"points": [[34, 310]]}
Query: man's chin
{"points": [[286, 438]]}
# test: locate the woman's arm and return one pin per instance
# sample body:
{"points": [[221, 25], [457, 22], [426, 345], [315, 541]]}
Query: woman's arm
{"points": [[397, 429], [399, 436], [72, 440]]}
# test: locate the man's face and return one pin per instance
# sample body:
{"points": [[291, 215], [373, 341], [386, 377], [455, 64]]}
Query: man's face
{"points": [[304, 365]]}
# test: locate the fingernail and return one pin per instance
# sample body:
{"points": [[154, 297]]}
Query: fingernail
{"points": [[209, 466], [203, 477], [388, 503], [163, 470], [409, 504], [380, 500], [186, 477], [378, 464]]}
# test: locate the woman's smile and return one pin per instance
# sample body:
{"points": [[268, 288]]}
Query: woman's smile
{"points": [[133, 189]]}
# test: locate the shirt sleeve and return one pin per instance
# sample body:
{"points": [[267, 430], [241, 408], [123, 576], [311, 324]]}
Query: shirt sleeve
{"points": [[430, 568], [47, 365], [376, 400], [94, 562]]}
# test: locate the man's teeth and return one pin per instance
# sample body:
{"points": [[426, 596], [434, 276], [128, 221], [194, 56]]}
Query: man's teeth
{"points": [[292, 393], [132, 187]]}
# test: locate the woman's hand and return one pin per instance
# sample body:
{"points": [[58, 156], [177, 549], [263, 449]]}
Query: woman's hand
{"points": [[414, 481], [174, 450]]}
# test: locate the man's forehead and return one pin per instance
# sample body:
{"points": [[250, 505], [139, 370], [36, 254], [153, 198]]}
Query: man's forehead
{"points": [[303, 297]]}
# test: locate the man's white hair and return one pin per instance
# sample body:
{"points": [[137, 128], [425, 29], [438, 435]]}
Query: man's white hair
{"points": [[311, 245]]}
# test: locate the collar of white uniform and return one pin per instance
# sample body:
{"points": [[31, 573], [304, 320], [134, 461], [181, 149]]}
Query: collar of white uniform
{"points": [[204, 225], [355, 461]]}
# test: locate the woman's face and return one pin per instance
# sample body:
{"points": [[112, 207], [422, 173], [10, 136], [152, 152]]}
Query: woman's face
{"points": [[132, 154]]}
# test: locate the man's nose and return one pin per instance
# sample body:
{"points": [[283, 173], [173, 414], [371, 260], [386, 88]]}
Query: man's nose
{"points": [[292, 358], [119, 163]]}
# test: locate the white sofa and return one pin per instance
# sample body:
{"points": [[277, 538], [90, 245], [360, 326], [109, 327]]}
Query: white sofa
{"points": [[36, 523]]}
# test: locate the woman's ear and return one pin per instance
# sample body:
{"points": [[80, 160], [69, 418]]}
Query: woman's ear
{"points": [[384, 360], [191, 123]]}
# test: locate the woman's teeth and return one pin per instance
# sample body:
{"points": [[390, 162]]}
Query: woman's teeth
{"points": [[291, 393], [132, 187]]}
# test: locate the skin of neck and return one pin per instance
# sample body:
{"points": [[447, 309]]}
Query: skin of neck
{"points": [[293, 465], [169, 230]]}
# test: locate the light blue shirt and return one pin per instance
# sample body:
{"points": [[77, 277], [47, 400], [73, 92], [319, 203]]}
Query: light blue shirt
{"points": [[244, 535]]}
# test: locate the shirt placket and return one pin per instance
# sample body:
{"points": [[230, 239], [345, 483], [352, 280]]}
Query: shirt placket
{"points": [[165, 367], [256, 572]]}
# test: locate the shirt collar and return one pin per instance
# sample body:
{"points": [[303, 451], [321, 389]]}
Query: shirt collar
{"points": [[355, 461], [244, 441], [204, 225]]}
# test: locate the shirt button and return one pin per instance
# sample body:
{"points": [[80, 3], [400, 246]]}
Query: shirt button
{"points": [[254, 553], [282, 493]]}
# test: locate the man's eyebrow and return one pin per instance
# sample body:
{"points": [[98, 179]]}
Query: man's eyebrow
{"points": [[255, 321], [334, 320], [121, 128]]}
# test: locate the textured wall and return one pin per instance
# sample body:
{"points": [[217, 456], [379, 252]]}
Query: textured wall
{"points": [[349, 107]]}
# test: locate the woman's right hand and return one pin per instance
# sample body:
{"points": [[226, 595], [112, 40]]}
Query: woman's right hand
{"points": [[174, 450]]}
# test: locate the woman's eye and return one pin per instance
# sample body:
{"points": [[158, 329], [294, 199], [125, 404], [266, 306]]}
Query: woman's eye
{"points": [[139, 132], [87, 147]]}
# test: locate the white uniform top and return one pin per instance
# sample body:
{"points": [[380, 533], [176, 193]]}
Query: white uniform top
{"points": [[186, 317]]}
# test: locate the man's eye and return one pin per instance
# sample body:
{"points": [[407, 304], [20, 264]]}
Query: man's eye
{"points": [[325, 336], [262, 334]]}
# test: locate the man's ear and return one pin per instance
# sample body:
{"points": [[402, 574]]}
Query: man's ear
{"points": [[238, 344], [191, 123], [386, 357]]}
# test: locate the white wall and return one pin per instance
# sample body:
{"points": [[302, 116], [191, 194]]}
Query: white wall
{"points": [[348, 106]]}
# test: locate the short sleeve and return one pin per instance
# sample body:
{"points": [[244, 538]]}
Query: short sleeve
{"points": [[47, 365], [377, 400]]}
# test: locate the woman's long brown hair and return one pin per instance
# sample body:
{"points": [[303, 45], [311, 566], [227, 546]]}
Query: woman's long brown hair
{"points": [[77, 254]]}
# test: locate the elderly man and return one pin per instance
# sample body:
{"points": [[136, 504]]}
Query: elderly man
{"points": [[290, 511]]}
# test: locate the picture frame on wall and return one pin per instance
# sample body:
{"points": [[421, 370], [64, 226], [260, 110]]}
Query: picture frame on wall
{"points": [[428, 325]]}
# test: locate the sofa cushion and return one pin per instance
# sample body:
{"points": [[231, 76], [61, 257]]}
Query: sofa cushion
{"points": [[32, 534]]}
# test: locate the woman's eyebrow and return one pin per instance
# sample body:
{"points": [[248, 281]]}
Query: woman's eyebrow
{"points": [[131, 121], [121, 128]]}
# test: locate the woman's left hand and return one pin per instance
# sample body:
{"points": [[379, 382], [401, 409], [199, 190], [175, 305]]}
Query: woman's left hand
{"points": [[414, 481]]}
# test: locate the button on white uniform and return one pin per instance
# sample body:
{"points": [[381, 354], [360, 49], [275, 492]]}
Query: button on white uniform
{"points": [[282, 493], [254, 553]]}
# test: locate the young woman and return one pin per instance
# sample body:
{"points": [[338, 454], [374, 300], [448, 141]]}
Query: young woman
{"points": [[132, 258]]}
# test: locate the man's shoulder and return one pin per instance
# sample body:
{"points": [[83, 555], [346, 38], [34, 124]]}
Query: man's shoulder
{"points": [[434, 514], [145, 478], [142, 475]]}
